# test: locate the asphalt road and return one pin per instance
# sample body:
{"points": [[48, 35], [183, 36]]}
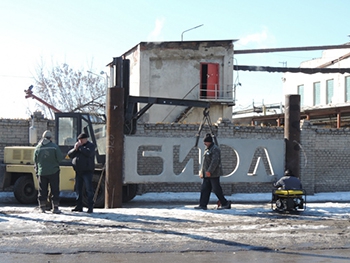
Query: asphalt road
{"points": [[164, 232]]}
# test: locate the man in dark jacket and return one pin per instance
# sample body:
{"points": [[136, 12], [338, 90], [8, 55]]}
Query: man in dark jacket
{"points": [[288, 182], [83, 155], [210, 172], [47, 157]]}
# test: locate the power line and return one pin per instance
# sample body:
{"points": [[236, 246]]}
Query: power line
{"points": [[11, 76]]}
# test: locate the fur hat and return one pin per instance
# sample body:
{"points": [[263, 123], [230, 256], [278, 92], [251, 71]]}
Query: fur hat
{"points": [[47, 134], [208, 138], [83, 136]]}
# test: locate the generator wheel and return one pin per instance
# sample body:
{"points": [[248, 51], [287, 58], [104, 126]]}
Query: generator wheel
{"points": [[24, 190]]}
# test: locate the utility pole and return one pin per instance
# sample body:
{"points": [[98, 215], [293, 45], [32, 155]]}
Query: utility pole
{"points": [[284, 63], [292, 133], [115, 136]]}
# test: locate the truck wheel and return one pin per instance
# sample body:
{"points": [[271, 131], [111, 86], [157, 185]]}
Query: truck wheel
{"points": [[24, 190], [100, 200], [129, 192]]}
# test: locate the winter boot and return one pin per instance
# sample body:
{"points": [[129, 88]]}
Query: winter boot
{"points": [[56, 210], [42, 207], [49, 203], [48, 206], [227, 206], [77, 209]]}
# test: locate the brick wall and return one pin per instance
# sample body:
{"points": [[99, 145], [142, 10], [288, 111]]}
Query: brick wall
{"points": [[15, 132], [324, 155]]}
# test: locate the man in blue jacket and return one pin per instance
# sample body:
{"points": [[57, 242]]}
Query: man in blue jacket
{"points": [[83, 155], [47, 157], [288, 182]]}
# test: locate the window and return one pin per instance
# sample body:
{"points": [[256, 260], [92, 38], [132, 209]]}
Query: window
{"points": [[347, 89], [301, 93], [67, 132], [317, 93], [329, 91]]}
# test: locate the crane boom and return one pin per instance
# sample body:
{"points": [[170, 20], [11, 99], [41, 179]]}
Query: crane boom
{"points": [[29, 94]]}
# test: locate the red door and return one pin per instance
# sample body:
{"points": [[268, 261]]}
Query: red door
{"points": [[210, 80]]}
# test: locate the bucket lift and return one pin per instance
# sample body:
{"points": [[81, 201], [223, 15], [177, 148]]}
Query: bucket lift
{"points": [[29, 94]]}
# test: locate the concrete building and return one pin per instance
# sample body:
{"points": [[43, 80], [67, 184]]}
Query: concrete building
{"points": [[324, 97], [321, 90], [193, 70]]}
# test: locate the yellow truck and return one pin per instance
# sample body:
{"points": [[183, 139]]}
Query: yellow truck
{"points": [[19, 168], [20, 172]]}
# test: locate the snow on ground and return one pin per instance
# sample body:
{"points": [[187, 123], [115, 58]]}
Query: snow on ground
{"points": [[246, 198], [155, 207], [168, 222]]}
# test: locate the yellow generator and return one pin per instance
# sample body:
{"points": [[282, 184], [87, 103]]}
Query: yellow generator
{"points": [[288, 200]]}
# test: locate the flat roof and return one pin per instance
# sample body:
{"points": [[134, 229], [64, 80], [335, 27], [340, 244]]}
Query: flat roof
{"points": [[192, 44], [181, 44]]}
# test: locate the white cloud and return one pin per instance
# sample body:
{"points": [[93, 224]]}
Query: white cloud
{"points": [[258, 40], [155, 35]]}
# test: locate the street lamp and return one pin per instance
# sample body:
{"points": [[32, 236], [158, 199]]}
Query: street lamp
{"points": [[106, 83], [105, 79], [189, 30]]}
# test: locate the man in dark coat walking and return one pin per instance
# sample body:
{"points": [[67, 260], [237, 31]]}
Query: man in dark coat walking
{"points": [[83, 155], [211, 172]]}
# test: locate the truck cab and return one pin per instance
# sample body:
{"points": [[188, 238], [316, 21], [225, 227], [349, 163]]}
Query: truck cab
{"points": [[70, 125]]}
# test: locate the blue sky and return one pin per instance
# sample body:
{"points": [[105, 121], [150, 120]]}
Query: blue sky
{"points": [[88, 34]]}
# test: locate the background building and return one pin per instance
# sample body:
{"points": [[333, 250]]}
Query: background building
{"points": [[321, 90], [193, 70], [324, 97]]}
